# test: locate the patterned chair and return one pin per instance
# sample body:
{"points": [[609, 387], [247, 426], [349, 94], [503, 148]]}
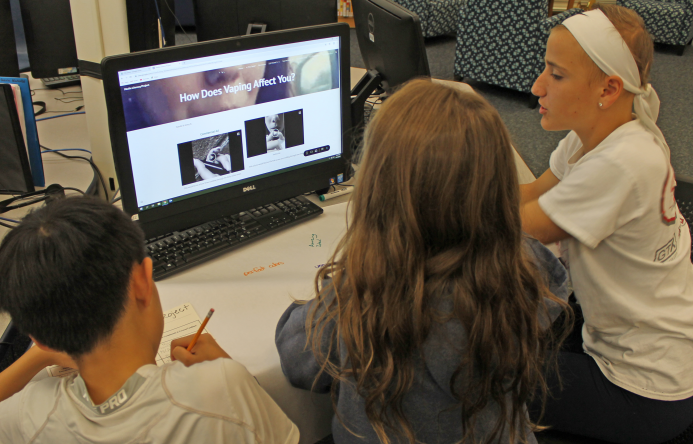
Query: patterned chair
{"points": [[438, 17], [503, 42], [669, 21]]}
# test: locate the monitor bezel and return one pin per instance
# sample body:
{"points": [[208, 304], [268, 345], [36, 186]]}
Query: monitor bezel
{"points": [[231, 200]]}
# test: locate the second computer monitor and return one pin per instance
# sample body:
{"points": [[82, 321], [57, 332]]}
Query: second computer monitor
{"points": [[50, 39], [391, 41], [216, 19]]}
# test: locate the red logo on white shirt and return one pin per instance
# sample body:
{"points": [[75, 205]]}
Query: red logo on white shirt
{"points": [[668, 199]]}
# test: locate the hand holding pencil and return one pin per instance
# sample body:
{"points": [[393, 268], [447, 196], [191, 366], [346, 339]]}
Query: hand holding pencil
{"points": [[197, 348]]}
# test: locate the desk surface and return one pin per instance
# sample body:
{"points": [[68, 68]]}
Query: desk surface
{"points": [[249, 288]]}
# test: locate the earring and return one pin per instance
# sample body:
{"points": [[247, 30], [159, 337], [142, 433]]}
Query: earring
{"points": [[600, 103]]}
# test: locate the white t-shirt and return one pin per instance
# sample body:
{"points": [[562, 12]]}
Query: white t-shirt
{"points": [[215, 401], [631, 271]]}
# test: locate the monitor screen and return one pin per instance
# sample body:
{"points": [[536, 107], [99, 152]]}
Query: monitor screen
{"points": [[213, 121]]}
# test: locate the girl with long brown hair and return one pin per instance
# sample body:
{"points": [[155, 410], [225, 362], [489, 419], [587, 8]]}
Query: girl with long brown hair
{"points": [[429, 323]]}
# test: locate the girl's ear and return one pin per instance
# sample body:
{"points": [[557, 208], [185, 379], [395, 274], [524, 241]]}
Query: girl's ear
{"points": [[611, 91]]}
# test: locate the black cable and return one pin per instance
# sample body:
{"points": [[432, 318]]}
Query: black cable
{"points": [[161, 24], [178, 21], [91, 162], [68, 99], [55, 89], [42, 110], [64, 110], [114, 199], [73, 189], [7, 225]]}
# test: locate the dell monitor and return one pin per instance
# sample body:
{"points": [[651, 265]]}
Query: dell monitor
{"points": [[390, 41], [9, 65], [209, 129], [392, 48], [216, 19], [49, 36]]}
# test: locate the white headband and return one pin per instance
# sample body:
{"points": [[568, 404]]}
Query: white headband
{"points": [[604, 45]]}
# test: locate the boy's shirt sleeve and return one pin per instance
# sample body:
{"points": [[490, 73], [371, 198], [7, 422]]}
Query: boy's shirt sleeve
{"points": [[269, 422], [11, 414], [595, 199]]}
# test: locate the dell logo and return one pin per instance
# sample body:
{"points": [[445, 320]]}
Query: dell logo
{"points": [[250, 188]]}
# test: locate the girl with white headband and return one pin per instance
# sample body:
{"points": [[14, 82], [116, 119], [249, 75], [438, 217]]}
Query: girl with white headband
{"points": [[608, 198]]}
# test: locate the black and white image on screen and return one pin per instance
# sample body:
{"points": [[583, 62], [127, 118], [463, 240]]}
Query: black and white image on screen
{"points": [[211, 157], [274, 132]]}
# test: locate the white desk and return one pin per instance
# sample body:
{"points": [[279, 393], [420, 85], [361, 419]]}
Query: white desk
{"points": [[248, 305]]}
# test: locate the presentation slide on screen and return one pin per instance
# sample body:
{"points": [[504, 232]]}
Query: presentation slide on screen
{"points": [[199, 131]]}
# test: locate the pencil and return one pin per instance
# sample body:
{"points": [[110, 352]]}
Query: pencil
{"points": [[199, 332]]}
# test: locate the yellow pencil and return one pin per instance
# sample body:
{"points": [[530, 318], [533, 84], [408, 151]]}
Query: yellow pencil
{"points": [[199, 332]]}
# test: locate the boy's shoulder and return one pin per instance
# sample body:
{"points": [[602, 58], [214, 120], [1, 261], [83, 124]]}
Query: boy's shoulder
{"points": [[25, 412], [205, 385], [219, 399]]}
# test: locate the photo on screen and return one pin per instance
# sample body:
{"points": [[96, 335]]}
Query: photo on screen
{"points": [[156, 102], [210, 157], [274, 132]]}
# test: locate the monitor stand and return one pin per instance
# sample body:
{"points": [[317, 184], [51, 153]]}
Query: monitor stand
{"points": [[360, 93]]}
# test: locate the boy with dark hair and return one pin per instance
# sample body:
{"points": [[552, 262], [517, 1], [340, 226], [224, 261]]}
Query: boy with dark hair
{"points": [[74, 276]]}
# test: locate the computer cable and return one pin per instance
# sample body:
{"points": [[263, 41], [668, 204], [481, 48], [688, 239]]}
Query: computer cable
{"points": [[62, 115], [68, 99], [115, 199], [4, 219], [69, 111], [74, 189], [65, 149], [49, 194], [33, 91], [161, 24], [97, 172], [178, 21]]}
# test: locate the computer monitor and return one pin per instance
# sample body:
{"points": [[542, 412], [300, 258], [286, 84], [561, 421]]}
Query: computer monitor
{"points": [[276, 103], [15, 173], [50, 39], [216, 19], [391, 41], [392, 48], [9, 65], [151, 24]]}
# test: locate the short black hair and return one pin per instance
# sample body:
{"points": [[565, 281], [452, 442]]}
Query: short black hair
{"points": [[65, 272]]}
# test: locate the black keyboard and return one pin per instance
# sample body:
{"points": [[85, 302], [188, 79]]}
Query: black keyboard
{"points": [[61, 81], [187, 248]]}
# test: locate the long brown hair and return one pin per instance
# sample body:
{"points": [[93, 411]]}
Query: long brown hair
{"points": [[435, 214]]}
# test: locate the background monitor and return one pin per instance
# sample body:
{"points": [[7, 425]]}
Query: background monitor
{"points": [[391, 41], [277, 104], [215, 19], [49, 37], [15, 173], [9, 66], [144, 29]]}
